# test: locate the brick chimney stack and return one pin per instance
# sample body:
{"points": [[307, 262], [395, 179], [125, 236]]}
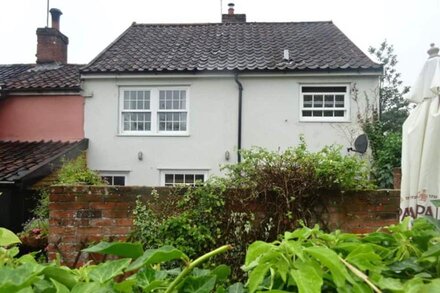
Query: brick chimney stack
{"points": [[231, 17], [51, 43]]}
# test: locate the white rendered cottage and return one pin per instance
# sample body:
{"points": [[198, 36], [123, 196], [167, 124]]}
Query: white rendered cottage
{"points": [[171, 103]]}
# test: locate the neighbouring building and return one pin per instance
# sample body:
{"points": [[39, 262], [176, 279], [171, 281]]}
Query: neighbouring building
{"points": [[170, 103], [41, 121]]}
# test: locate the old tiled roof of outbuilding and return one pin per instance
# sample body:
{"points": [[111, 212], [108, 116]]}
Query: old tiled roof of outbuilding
{"points": [[28, 77], [231, 46], [19, 159]]}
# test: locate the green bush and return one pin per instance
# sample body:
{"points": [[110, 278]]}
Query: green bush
{"points": [[308, 260], [288, 184], [76, 172], [386, 147], [136, 270]]}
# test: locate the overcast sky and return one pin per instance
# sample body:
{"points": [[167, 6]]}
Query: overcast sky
{"points": [[409, 25]]}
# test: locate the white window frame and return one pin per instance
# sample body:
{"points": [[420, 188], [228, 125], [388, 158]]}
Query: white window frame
{"points": [[203, 172], [346, 108], [115, 173], [154, 109]]}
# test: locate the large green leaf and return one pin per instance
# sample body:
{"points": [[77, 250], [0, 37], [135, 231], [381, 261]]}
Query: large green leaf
{"points": [[108, 270], [125, 286], [236, 288], [307, 279], [203, 284], [14, 279], [92, 287], [330, 259], [222, 272], [149, 279], [364, 258], [432, 251], [153, 256], [8, 237], [256, 276], [122, 249], [59, 288], [255, 250], [61, 275]]}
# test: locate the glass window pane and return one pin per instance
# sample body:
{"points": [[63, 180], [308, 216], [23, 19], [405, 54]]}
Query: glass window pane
{"points": [[200, 177], [339, 113], [328, 113], [107, 179], [329, 101], [317, 113], [182, 126], [307, 101], [161, 126], [178, 179], [307, 113], [119, 180], [339, 101], [317, 101], [189, 178], [169, 178]]}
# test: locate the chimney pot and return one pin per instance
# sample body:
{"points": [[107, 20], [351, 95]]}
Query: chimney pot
{"points": [[231, 8], [232, 17], [55, 13]]}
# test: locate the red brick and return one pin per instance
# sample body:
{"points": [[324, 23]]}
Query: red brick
{"points": [[123, 222], [61, 214], [101, 222], [116, 213]]}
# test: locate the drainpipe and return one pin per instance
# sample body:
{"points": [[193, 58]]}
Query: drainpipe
{"points": [[240, 103]]}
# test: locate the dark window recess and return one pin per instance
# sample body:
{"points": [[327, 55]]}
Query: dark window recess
{"points": [[114, 180], [324, 89]]}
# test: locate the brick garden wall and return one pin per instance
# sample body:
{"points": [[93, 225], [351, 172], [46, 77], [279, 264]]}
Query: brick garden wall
{"points": [[80, 215]]}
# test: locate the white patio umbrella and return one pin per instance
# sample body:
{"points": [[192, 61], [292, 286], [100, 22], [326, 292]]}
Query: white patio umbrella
{"points": [[420, 185]]}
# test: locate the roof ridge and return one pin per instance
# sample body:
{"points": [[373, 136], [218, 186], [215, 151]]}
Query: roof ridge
{"points": [[220, 23]]}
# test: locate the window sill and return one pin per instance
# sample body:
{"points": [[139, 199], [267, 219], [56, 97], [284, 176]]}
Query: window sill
{"points": [[301, 120], [153, 135]]}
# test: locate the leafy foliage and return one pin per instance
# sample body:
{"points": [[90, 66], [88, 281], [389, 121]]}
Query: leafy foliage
{"points": [[386, 147], [137, 271], [289, 185], [76, 172], [309, 260], [393, 108], [384, 125]]}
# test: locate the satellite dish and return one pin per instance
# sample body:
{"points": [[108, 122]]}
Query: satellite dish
{"points": [[360, 144]]}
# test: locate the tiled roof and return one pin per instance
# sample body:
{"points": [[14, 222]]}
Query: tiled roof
{"points": [[19, 159], [25, 77], [238, 46]]}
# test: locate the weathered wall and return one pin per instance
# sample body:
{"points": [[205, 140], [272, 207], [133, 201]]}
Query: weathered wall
{"points": [[83, 214], [29, 118]]}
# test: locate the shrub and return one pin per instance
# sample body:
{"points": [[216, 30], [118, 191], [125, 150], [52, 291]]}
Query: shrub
{"points": [[76, 172], [288, 184]]}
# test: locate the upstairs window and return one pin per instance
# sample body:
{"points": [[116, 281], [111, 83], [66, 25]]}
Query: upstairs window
{"points": [[324, 103], [154, 111]]}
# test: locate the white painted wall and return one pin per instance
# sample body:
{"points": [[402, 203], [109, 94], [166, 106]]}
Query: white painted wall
{"points": [[270, 119]]}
